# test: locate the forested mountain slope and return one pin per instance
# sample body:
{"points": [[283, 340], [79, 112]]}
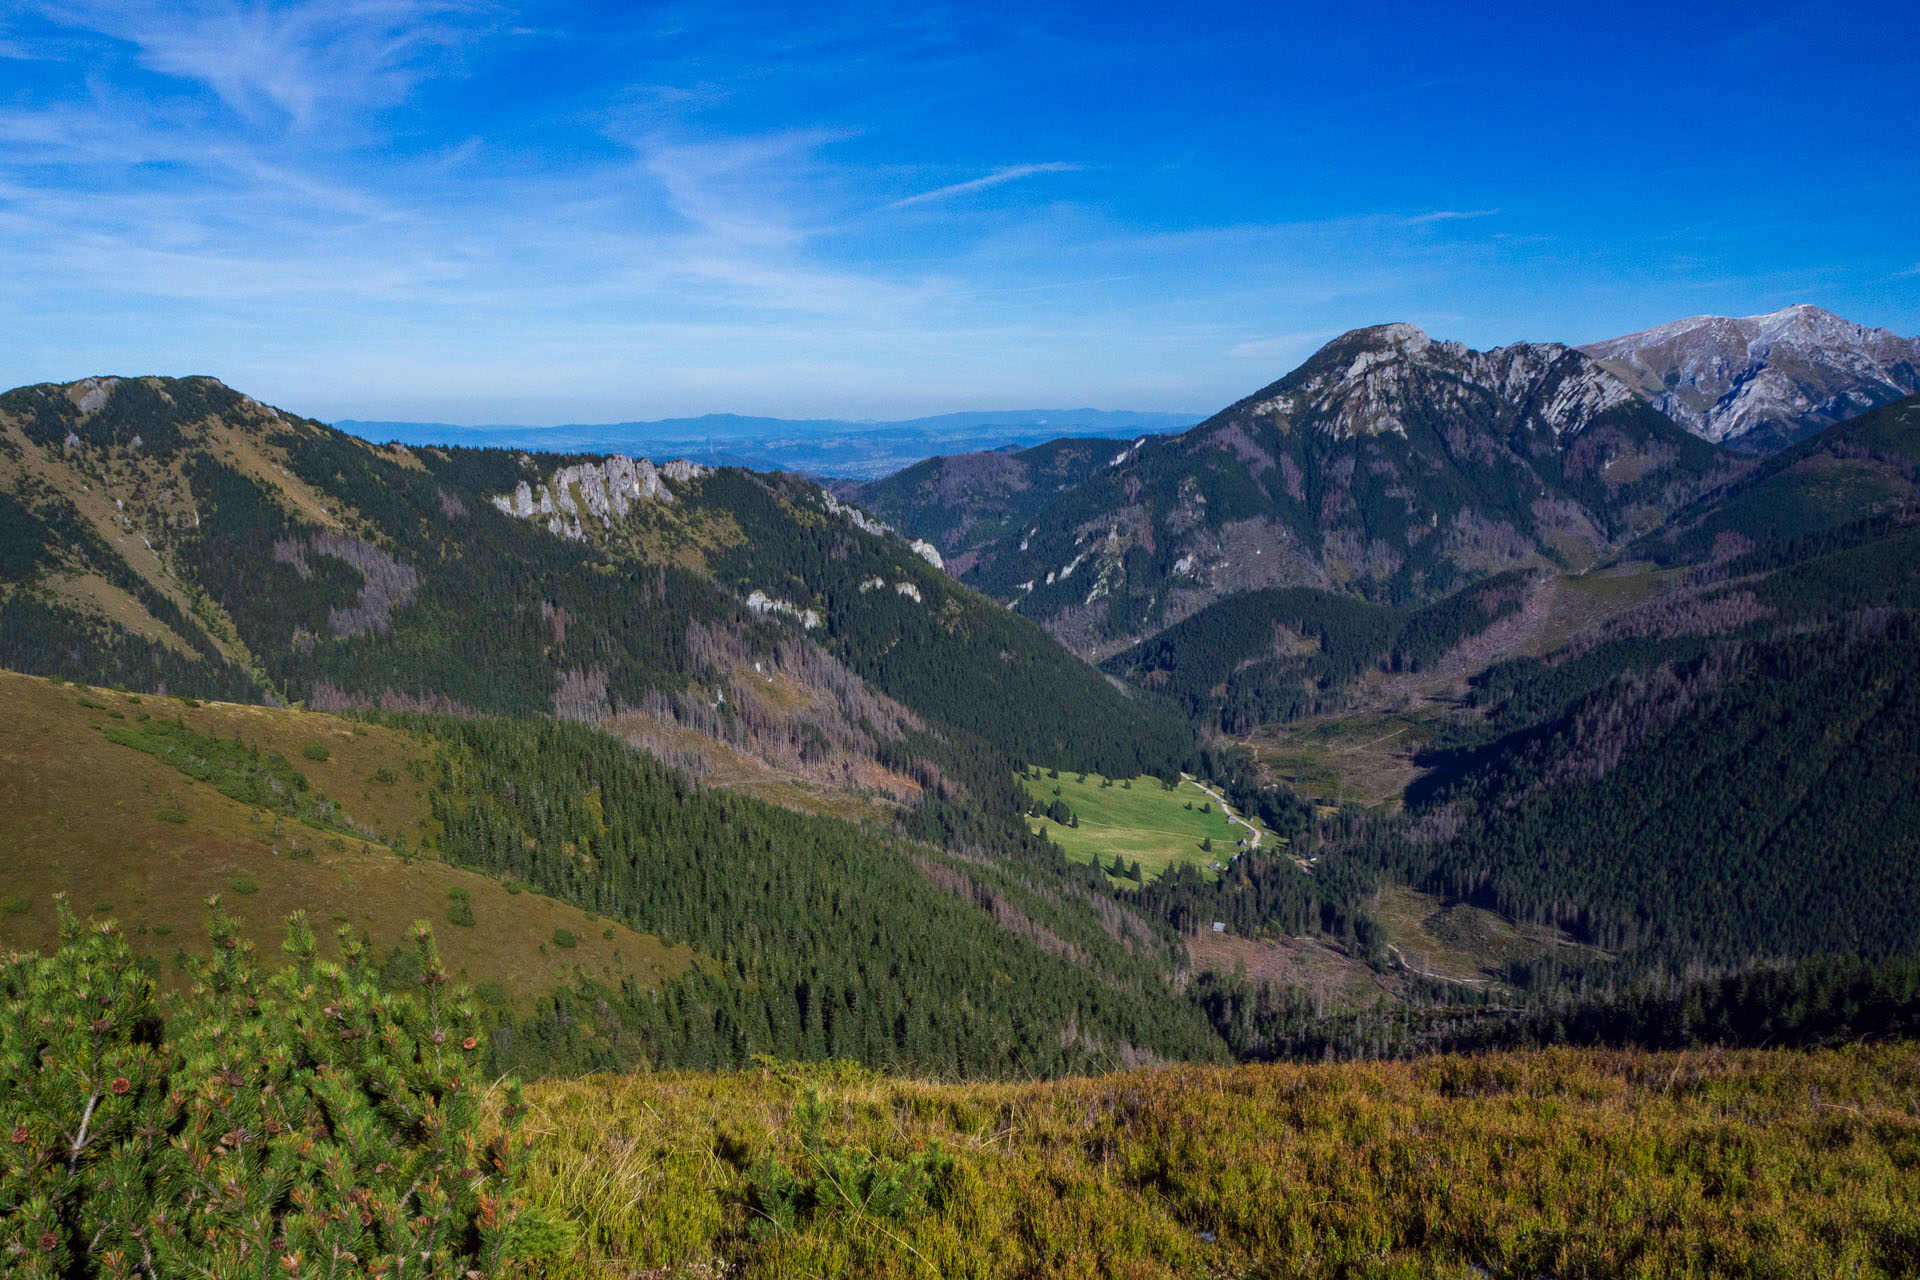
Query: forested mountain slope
{"points": [[1285, 652], [616, 914], [1866, 467], [1813, 532], [1388, 466], [1800, 539], [175, 533], [1704, 759], [1754, 799], [966, 501], [1724, 771]]}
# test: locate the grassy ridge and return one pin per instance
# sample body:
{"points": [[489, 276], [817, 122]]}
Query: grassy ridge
{"points": [[128, 835], [1597, 1164]]}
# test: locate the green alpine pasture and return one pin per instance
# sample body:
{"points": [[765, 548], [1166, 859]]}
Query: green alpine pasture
{"points": [[1134, 820]]}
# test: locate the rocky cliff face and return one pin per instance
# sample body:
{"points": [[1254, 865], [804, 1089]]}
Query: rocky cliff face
{"points": [[603, 491], [1760, 382]]}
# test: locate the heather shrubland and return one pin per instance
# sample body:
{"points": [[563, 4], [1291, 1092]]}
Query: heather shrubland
{"points": [[313, 1122], [1560, 1163]]}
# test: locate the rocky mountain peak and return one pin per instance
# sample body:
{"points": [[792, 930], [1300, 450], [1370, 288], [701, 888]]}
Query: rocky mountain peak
{"points": [[1364, 382], [1408, 338], [1760, 382]]}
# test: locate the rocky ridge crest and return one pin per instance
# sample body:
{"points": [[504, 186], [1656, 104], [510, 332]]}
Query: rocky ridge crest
{"points": [[1364, 382], [1762, 382]]}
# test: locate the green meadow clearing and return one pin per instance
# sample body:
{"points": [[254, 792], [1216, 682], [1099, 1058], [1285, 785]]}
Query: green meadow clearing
{"points": [[1135, 819]]}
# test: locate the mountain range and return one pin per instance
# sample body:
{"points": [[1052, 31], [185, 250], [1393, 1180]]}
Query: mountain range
{"points": [[1388, 465], [1393, 467]]}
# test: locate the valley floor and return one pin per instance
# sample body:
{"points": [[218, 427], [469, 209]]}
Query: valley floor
{"points": [[1366, 753], [1563, 1163]]}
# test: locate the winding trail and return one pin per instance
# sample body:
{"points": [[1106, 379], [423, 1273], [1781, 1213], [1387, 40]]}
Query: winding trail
{"points": [[1254, 832], [1227, 809]]}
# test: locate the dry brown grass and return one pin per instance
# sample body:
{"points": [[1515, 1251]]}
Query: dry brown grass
{"points": [[721, 764], [94, 596], [1306, 964], [91, 817]]}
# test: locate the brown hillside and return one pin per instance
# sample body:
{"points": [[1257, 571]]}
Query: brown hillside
{"points": [[128, 836]]}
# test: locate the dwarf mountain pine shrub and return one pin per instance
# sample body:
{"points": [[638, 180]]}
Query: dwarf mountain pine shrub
{"points": [[839, 1179], [306, 1124]]}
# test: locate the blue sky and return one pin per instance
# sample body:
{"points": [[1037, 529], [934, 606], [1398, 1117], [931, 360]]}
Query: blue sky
{"points": [[548, 213]]}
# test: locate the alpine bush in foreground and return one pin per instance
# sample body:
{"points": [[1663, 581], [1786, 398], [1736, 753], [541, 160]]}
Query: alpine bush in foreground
{"points": [[305, 1124]]}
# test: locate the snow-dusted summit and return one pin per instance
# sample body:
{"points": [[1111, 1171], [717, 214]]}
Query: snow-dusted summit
{"points": [[1760, 382]]}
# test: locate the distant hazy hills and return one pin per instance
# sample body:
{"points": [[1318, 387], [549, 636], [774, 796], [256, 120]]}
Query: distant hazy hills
{"points": [[817, 446]]}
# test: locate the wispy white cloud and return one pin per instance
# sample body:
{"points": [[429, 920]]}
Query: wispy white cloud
{"points": [[313, 199], [1447, 215], [1012, 173], [740, 190], [301, 60], [718, 270]]}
